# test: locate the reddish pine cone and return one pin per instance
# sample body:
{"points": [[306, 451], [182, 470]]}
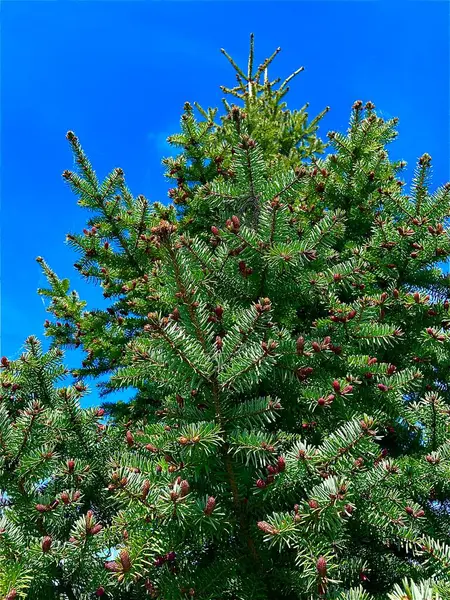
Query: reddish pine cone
{"points": [[125, 560], [261, 483], [46, 544], [218, 311], [210, 505], [321, 566], [281, 462], [145, 489], [267, 527], [12, 595], [184, 488], [233, 224], [65, 498], [100, 591], [129, 438], [300, 344], [96, 529]]}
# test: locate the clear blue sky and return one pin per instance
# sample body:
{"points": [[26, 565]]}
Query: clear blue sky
{"points": [[118, 73]]}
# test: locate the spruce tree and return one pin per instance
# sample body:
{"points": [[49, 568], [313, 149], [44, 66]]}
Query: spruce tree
{"points": [[54, 472], [115, 248], [288, 335]]}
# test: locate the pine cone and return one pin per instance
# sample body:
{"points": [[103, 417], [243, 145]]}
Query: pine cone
{"points": [[129, 438], [184, 488], [96, 529], [46, 544], [233, 224], [321, 566], [125, 560], [300, 345], [210, 505], [145, 489], [219, 312], [281, 463], [267, 528], [111, 565]]}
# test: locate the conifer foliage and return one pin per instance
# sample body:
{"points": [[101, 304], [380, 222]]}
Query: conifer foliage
{"points": [[54, 471], [286, 325]]}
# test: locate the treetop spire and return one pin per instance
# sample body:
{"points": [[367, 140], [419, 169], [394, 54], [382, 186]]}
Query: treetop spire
{"points": [[249, 84]]}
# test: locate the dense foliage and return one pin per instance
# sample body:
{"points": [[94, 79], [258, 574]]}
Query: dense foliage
{"points": [[285, 322], [54, 471]]}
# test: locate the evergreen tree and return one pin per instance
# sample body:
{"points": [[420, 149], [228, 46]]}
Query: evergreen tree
{"points": [[288, 335], [116, 249], [54, 471]]}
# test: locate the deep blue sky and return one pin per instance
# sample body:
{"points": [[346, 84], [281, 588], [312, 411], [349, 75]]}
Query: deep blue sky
{"points": [[118, 73]]}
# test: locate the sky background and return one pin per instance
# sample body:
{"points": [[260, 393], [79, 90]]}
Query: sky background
{"points": [[118, 73]]}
